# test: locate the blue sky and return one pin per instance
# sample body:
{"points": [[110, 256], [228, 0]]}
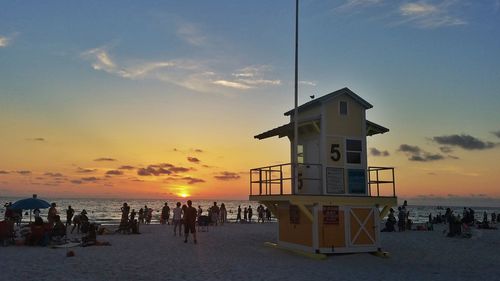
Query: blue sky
{"points": [[89, 74]]}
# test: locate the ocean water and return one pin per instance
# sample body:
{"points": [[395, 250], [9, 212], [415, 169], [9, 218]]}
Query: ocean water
{"points": [[107, 211]]}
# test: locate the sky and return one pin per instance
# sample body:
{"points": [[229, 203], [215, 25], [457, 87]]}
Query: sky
{"points": [[161, 99]]}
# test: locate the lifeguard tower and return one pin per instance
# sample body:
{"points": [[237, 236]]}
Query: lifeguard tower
{"points": [[337, 201]]}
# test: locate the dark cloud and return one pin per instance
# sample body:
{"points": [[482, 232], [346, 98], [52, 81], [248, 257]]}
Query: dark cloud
{"points": [[226, 176], [55, 175], [162, 169], [376, 152], [126, 167], [90, 179], [188, 180], [153, 170], [193, 160], [497, 133], [76, 181], [414, 153], [446, 149], [198, 150], [466, 142], [85, 171], [24, 172], [4, 172], [36, 139], [103, 159], [179, 169], [192, 180], [114, 172]]}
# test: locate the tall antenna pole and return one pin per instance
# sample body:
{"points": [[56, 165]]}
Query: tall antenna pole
{"points": [[296, 111]]}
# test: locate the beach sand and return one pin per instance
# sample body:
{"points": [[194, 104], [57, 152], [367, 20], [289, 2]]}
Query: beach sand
{"points": [[237, 252]]}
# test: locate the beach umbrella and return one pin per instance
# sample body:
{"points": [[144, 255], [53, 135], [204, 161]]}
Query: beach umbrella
{"points": [[30, 204]]}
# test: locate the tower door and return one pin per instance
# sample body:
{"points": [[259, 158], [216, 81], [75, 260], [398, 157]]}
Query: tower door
{"points": [[310, 172]]}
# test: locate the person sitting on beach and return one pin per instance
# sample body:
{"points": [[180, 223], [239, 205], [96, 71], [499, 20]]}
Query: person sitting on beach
{"points": [[133, 227], [91, 237], [36, 212], [177, 216], [38, 221], [190, 221], [391, 222], [59, 229]]}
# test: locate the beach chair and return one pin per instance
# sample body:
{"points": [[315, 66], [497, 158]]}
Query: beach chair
{"points": [[203, 222], [7, 233]]}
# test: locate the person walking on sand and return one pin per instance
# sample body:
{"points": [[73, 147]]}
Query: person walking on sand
{"points": [[69, 215], [238, 214], [177, 216], [200, 211], [215, 213], [52, 214], [190, 221], [250, 214], [223, 214], [245, 214], [164, 211]]}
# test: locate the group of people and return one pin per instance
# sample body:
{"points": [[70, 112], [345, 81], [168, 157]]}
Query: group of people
{"points": [[403, 220]]}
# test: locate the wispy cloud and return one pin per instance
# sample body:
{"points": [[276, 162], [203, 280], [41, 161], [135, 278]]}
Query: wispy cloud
{"points": [[357, 4], [195, 75], [496, 133], [4, 41], [4, 172], [308, 83], [426, 15], [85, 170], [126, 167], [231, 84], [54, 175], [24, 172], [191, 34]]}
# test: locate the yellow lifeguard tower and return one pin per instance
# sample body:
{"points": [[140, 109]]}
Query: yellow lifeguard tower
{"points": [[337, 201]]}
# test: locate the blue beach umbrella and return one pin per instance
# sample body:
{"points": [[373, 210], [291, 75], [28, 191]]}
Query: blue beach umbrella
{"points": [[30, 204]]}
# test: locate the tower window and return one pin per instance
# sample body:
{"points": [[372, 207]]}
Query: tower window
{"points": [[343, 108]]}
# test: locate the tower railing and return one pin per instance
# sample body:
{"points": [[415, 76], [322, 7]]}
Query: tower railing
{"points": [[378, 176], [277, 180]]}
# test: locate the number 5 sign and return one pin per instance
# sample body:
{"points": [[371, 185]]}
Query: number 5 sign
{"points": [[334, 151]]}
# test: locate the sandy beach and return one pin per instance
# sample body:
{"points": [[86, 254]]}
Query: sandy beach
{"points": [[237, 252]]}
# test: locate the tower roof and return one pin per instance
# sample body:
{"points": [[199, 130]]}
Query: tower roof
{"points": [[319, 101]]}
